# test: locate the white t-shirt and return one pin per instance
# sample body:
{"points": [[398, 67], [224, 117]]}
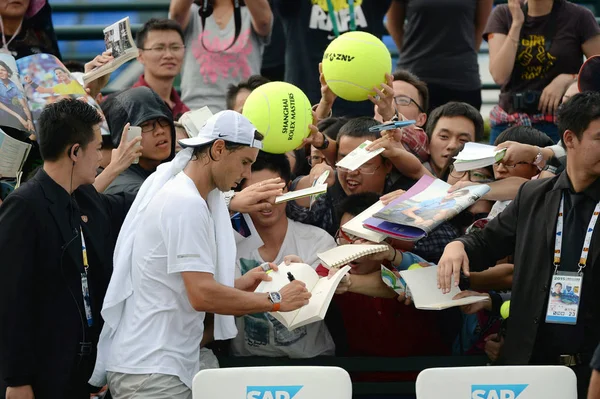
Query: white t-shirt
{"points": [[262, 335], [497, 208], [160, 332]]}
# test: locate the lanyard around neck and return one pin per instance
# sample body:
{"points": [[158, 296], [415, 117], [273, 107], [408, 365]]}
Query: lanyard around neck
{"points": [[85, 290], [331, 11], [4, 42], [586, 241]]}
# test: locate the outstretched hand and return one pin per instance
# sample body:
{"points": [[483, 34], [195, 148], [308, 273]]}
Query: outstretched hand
{"points": [[453, 260], [257, 197]]}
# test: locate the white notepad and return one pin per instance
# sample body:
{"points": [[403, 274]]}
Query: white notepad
{"points": [[359, 156], [321, 288], [305, 192], [356, 228], [426, 295], [193, 121], [477, 155]]}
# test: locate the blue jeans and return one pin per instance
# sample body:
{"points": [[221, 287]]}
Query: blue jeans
{"points": [[550, 129]]}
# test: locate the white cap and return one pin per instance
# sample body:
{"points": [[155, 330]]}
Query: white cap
{"points": [[226, 125]]}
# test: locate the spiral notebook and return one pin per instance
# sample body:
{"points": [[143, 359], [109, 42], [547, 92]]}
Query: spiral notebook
{"points": [[344, 254]]}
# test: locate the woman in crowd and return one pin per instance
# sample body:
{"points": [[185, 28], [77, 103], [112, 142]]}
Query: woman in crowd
{"points": [[536, 51], [27, 28]]}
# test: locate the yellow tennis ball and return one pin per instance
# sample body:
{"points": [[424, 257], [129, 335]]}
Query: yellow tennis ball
{"points": [[354, 63], [505, 310], [282, 113], [415, 266]]}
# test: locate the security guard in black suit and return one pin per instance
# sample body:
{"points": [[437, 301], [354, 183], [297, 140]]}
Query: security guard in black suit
{"points": [[57, 237], [552, 229]]}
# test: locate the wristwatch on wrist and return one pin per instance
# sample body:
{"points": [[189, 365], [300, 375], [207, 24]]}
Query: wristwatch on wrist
{"points": [[325, 143], [539, 159], [275, 298]]}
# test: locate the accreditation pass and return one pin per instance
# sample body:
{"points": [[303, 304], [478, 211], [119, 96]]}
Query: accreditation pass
{"points": [[564, 298]]}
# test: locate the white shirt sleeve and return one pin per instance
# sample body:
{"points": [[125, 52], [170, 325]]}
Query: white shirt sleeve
{"points": [[558, 150], [189, 236]]}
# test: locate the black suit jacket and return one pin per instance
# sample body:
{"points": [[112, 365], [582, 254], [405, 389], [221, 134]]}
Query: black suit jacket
{"points": [[526, 228], [42, 318]]}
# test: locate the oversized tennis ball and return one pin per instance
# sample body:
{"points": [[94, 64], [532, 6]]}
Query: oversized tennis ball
{"points": [[354, 63], [415, 266], [282, 113], [505, 310]]}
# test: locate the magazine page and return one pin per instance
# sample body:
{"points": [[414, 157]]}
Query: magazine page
{"points": [[13, 154], [119, 41], [14, 110], [432, 206], [46, 80]]}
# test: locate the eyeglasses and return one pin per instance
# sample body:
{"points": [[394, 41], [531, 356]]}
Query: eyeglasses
{"points": [[342, 238], [174, 49], [406, 101], [363, 170], [316, 160], [474, 176], [150, 126]]}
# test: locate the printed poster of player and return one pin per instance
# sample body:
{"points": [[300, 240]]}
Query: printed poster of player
{"points": [[14, 110], [46, 80]]}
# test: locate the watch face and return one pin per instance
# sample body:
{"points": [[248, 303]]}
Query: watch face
{"points": [[275, 297]]}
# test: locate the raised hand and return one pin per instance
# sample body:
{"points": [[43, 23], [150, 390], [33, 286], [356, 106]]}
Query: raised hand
{"points": [[384, 98]]}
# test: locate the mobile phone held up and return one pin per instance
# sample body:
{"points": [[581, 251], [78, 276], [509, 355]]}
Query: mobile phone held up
{"points": [[391, 125], [133, 132]]}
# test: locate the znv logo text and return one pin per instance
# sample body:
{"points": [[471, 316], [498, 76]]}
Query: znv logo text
{"points": [[497, 391], [272, 392]]}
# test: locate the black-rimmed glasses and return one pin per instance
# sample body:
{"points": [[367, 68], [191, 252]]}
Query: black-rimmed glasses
{"points": [[474, 176], [150, 126], [406, 101]]}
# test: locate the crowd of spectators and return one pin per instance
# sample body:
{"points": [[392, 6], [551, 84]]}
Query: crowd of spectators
{"points": [[120, 274]]}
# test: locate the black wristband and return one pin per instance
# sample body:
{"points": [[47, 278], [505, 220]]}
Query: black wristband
{"points": [[465, 282], [324, 145], [496, 302]]}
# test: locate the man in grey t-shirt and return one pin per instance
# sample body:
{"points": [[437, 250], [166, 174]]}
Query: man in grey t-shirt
{"points": [[210, 64]]}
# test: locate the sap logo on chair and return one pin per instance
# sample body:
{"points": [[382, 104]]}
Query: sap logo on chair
{"points": [[497, 391], [272, 392]]}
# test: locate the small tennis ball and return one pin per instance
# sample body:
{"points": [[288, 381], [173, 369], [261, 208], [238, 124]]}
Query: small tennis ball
{"points": [[415, 266], [505, 310], [282, 113], [354, 63]]}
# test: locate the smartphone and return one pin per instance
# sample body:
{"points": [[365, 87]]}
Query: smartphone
{"points": [[391, 125], [133, 132]]}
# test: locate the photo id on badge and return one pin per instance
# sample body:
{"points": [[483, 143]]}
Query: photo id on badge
{"points": [[564, 298]]}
